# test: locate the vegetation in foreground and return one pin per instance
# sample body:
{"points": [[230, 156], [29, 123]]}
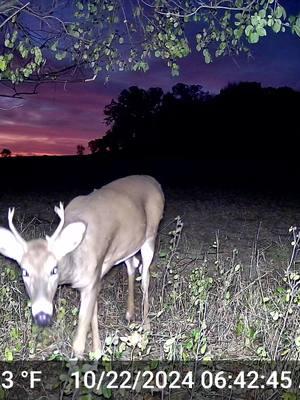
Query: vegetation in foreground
{"points": [[204, 306], [211, 304]]}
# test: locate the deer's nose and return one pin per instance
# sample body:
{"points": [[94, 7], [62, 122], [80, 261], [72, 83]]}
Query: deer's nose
{"points": [[43, 319]]}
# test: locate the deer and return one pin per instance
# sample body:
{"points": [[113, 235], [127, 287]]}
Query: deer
{"points": [[117, 223]]}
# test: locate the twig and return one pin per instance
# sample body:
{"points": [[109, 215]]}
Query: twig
{"points": [[295, 243]]}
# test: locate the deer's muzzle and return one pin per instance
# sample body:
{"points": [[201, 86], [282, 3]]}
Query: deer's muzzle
{"points": [[43, 319]]}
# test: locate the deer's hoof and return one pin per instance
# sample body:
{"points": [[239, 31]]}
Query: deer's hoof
{"points": [[129, 316], [78, 349]]}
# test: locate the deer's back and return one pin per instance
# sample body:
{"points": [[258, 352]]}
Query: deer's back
{"points": [[120, 216]]}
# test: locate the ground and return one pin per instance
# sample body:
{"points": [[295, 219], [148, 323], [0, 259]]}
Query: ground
{"points": [[214, 290], [218, 284]]}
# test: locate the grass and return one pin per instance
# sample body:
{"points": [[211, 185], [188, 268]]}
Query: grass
{"points": [[216, 298], [227, 316]]}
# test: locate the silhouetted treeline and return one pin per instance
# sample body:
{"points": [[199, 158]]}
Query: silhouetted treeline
{"points": [[245, 138], [244, 120]]}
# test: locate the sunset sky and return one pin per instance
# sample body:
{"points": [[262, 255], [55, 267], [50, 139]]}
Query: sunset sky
{"points": [[57, 119]]}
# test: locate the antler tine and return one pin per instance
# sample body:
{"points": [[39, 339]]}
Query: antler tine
{"points": [[60, 210], [61, 213], [11, 212]]}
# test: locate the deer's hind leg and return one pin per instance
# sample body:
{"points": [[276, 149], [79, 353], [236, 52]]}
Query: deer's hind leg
{"points": [[132, 264], [147, 252]]}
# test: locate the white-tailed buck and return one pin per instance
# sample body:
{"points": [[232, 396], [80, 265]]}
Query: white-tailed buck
{"points": [[96, 232]]}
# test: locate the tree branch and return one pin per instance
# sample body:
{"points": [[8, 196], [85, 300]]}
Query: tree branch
{"points": [[200, 7], [13, 14]]}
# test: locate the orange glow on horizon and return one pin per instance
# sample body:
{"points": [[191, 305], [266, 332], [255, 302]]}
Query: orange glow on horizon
{"points": [[36, 154]]}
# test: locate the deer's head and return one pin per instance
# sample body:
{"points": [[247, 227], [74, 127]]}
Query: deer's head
{"points": [[39, 260]]}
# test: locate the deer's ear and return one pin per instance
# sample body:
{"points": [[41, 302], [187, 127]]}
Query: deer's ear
{"points": [[9, 246], [69, 238]]}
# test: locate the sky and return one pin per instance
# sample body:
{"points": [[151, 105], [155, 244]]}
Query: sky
{"points": [[58, 118]]}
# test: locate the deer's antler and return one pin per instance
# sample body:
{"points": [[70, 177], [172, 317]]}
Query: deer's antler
{"points": [[61, 213], [18, 237]]}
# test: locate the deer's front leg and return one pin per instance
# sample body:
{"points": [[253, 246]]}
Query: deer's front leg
{"points": [[95, 330], [87, 306]]}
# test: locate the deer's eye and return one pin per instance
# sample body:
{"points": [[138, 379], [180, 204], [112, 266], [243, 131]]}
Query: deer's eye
{"points": [[54, 271], [24, 273]]}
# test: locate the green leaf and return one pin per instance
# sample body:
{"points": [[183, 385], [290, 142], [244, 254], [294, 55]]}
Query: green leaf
{"points": [[79, 5], [261, 31], [203, 348], [255, 20], [73, 30], [254, 37], [262, 13], [295, 25], [86, 396], [107, 393], [2, 394], [23, 50], [54, 46], [207, 56], [296, 29], [278, 12], [189, 344], [238, 33], [8, 355], [289, 396], [249, 30], [60, 55], [8, 43], [3, 64], [38, 57], [277, 26]]}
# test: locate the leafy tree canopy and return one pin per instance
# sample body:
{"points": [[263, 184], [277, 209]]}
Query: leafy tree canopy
{"points": [[61, 40]]}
